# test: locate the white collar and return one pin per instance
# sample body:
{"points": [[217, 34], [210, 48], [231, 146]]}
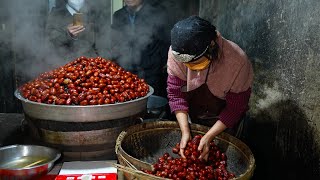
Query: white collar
{"points": [[70, 9]]}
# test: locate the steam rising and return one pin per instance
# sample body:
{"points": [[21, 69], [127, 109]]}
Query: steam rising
{"points": [[22, 25], [26, 21]]}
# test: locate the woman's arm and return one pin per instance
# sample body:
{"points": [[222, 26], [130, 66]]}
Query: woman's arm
{"points": [[179, 106], [236, 106]]}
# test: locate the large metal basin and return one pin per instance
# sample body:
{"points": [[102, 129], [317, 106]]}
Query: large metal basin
{"points": [[90, 113], [26, 161]]}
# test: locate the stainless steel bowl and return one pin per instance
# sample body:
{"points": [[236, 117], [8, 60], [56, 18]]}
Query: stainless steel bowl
{"points": [[26, 161], [90, 113]]}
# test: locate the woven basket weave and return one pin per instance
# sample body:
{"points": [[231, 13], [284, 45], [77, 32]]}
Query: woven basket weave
{"points": [[141, 145]]}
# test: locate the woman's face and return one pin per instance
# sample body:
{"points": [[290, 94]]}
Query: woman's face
{"points": [[133, 3]]}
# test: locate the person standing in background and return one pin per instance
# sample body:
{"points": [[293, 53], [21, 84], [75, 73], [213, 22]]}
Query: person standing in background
{"points": [[70, 40], [140, 42]]}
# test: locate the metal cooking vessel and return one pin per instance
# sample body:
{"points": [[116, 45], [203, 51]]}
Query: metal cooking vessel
{"points": [[90, 113], [26, 161], [156, 105], [157, 109]]}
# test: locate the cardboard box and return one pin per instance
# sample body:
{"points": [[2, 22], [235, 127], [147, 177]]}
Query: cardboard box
{"points": [[88, 170]]}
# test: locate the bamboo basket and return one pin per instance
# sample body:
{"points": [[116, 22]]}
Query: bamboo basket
{"points": [[140, 146]]}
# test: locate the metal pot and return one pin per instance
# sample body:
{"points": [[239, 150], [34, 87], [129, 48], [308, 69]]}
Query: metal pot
{"points": [[26, 161], [82, 132], [90, 113]]}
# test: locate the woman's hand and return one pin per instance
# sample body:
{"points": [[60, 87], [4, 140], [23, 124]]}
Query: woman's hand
{"points": [[183, 143], [182, 118], [204, 145], [75, 30]]}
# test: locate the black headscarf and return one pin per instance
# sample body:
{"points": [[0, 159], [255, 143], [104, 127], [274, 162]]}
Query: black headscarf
{"points": [[192, 35]]}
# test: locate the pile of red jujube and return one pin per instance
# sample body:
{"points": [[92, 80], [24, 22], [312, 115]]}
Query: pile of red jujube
{"points": [[85, 81], [192, 167]]}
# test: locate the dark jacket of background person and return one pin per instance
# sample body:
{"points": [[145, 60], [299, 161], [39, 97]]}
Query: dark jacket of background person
{"points": [[141, 46], [63, 45]]}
